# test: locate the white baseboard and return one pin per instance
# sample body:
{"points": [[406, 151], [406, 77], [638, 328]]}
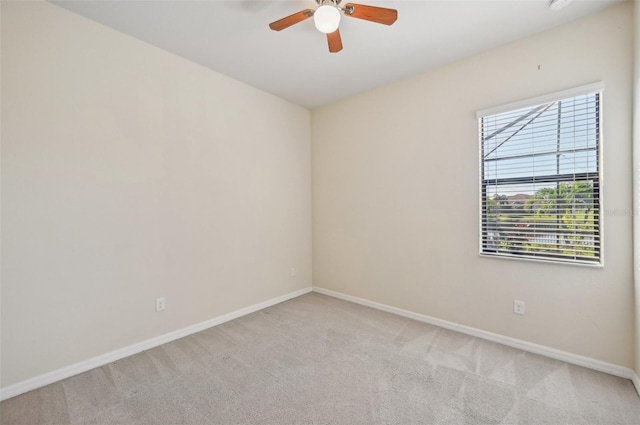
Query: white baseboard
{"points": [[68, 371], [636, 381], [530, 347], [71, 370]]}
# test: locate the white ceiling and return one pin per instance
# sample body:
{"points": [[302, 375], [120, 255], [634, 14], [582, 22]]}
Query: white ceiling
{"points": [[233, 38]]}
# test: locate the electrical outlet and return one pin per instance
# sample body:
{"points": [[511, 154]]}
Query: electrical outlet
{"points": [[292, 271], [518, 307], [161, 304]]}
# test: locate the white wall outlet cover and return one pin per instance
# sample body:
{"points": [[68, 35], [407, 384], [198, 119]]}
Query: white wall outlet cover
{"points": [[161, 303], [518, 307]]}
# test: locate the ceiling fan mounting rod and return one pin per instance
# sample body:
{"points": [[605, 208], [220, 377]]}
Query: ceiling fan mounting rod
{"points": [[335, 2]]}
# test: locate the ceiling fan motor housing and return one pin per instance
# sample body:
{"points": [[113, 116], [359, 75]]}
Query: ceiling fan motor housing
{"points": [[329, 2]]}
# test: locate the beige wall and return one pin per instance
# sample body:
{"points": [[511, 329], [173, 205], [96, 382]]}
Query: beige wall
{"points": [[127, 174], [395, 194]]}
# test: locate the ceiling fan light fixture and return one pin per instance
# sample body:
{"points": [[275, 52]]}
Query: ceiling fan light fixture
{"points": [[558, 4], [327, 18]]}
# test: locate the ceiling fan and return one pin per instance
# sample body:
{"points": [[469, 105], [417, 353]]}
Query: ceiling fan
{"points": [[327, 18]]}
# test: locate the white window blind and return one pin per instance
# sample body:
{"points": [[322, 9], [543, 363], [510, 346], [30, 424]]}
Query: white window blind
{"points": [[540, 180]]}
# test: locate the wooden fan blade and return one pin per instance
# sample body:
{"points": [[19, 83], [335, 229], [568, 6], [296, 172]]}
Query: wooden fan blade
{"points": [[283, 23], [335, 41], [380, 15]]}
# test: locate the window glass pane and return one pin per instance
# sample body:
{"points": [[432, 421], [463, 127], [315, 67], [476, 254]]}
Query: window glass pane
{"points": [[540, 181], [556, 220]]}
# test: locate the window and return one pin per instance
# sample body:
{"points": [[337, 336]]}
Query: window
{"points": [[540, 178]]}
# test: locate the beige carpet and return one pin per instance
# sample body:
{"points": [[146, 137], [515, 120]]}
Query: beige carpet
{"points": [[319, 360]]}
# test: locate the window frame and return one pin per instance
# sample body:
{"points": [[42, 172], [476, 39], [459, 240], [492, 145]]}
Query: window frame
{"points": [[597, 87]]}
